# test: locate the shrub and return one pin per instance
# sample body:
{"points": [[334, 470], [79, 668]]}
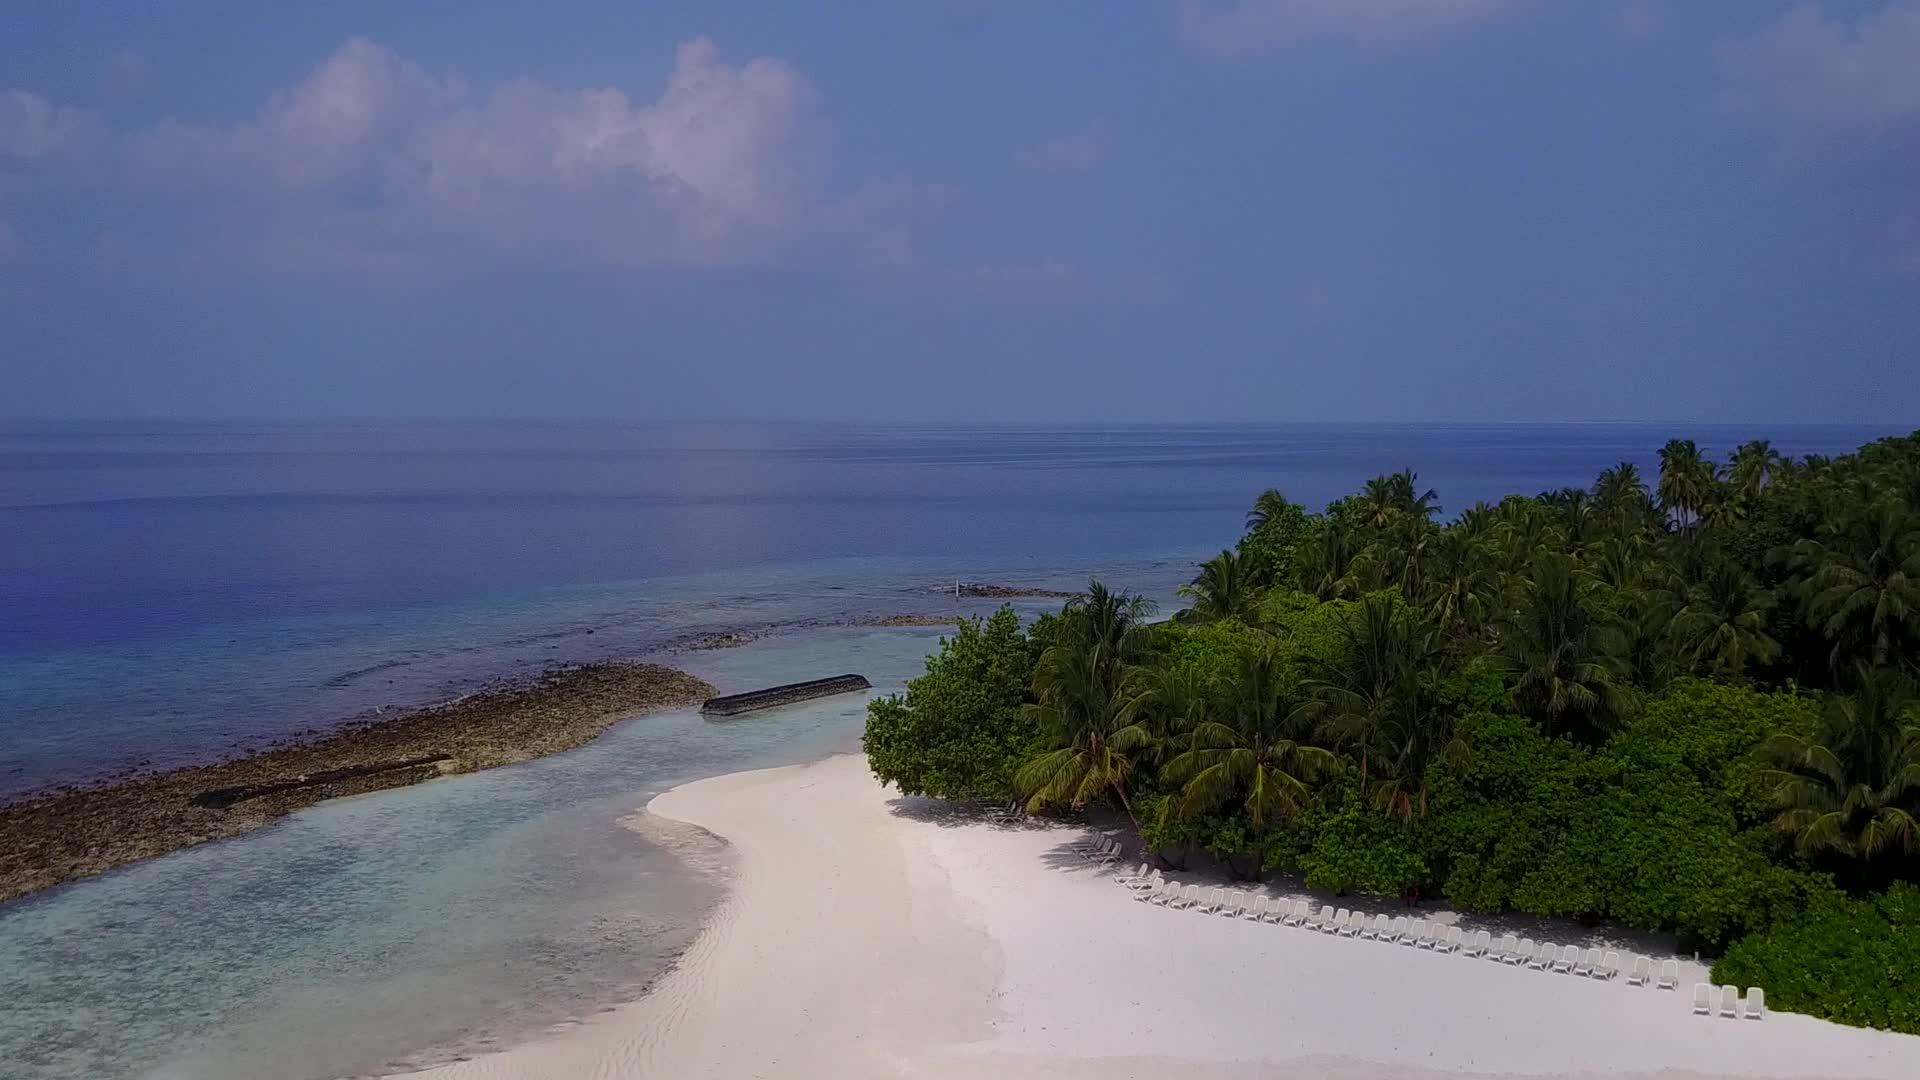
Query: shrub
{"points": [[1854, 961], [1357, 849], [958, 731]]}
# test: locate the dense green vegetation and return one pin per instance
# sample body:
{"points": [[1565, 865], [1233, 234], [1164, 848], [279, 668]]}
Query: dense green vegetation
{"points": [[1686, 705]]}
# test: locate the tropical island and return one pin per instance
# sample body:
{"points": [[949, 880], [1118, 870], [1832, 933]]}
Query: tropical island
{"points": [[1682, 703]]}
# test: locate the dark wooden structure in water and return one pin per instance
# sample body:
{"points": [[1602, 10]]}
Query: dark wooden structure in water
{"points": [[733, 704]]}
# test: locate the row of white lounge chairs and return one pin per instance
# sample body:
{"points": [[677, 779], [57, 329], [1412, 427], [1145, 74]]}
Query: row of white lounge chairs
{"points": [[1149, 886], [1730, 1004]]}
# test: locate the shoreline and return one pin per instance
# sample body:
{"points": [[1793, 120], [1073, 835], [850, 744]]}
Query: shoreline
{"points": [[868, 935], [55, 837]]}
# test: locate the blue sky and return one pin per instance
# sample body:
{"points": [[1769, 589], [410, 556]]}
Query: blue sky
{"points": [[964, 209]]}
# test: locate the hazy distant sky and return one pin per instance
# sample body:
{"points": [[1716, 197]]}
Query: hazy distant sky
{"points": [[970, 209]]}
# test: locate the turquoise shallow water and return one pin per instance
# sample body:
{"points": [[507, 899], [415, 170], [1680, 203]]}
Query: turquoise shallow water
{"points": [[401, 927]]}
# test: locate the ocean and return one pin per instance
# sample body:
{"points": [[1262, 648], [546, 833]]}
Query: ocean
{"points": [[172, 592]]}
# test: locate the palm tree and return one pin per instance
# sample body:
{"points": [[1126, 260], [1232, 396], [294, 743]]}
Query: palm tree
{"points": [[1412, 740], [1574, 514], [1257, 754], [1562, 653], [1269, 506], [1478, 520], [1462, 585], [1081, 706], [1165, 701], [1112, 624], [1859, 580], [1404, 556], [1326, 560], [1621, 495], [1722, 621], [1752, 467], [1852, 787], [1388, 497], [1081, 714], [1526, 528], [1686, 481], [1361, 693], [1223, 589]]}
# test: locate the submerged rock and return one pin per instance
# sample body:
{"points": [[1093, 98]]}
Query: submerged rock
{"points": [[76, 833]]}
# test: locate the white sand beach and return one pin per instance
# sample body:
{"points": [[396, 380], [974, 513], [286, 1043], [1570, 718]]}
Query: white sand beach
{"points": [[869, 936]]}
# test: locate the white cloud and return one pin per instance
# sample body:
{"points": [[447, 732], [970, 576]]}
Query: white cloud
{"points": [[1812, 75], [1082, 151], [1242, 29], [373, 160], [34, 129]]}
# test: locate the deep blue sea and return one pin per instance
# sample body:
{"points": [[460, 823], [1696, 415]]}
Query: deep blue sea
{"points": [[172, 591]]}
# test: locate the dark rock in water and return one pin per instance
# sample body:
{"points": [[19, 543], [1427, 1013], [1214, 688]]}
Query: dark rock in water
{"points": [[221, 798], [1009, 592], [76, 832], [732, 704]]}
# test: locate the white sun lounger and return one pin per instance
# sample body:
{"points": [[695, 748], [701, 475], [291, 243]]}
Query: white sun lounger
{"points": [[1278, 911], [1189, 897], [1396, 930], [1415, 930], [1251, 905], [1319, 919], [1543, 957], [1338, 924], [1508, 951], [1349, 922], [1641, 973], [1586, 962], [1210, 901], [1609, 966], [1302, 911], [1756, 1003], [1430, 937], [1730, 1001], [1564, 959], [1154, 889], [1702, 999], [1478, 944], [1368, 928], [1670, 975]]}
